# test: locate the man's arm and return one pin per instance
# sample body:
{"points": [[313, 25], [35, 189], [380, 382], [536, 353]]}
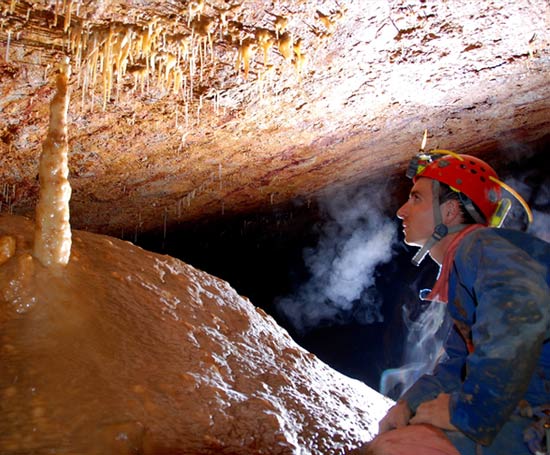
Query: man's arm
{"points": [[398, 416], [435, 412], [447, 375]]}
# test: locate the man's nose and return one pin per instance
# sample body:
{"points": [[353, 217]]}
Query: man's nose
{"points": [[402, 211]]}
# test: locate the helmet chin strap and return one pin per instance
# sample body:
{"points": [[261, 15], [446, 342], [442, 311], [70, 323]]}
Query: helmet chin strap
{"points": [[440, 230]]}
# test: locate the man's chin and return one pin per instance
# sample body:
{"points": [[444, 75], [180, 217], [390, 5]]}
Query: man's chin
{"points": [[412, 242]]}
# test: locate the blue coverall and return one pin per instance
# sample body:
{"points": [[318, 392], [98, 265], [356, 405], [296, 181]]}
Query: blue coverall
{"points": [[498, 351]]}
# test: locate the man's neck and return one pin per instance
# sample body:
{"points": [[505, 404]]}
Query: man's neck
{"points": [[437, 253]]}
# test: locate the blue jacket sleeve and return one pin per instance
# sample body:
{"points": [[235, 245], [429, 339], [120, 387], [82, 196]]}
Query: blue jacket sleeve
{"points": [[503, 292], [447, 375]]}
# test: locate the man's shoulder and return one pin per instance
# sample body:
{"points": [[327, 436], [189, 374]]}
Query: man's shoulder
{"points": [[481, 236], [499, 238], [511, 235]]}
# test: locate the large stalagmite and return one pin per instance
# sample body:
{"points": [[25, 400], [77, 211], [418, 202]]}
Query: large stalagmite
{"points": [[129, 351], [52, 238]]}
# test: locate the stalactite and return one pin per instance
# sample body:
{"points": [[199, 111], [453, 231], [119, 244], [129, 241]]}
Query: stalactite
{"points": [[56, 13], [67, 12], [245, 54], [265, 40], [285, 45], [174, 54], [178, 81], [300, 62], [196, 8], [122, 52], [7, 57], [76, 45], [107, 67]]}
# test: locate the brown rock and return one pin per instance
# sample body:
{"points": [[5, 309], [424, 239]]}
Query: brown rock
{"points": [[127, 351]]}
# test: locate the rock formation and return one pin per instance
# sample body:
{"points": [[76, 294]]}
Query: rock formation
{"points": [[127, 351], [167, 127]]}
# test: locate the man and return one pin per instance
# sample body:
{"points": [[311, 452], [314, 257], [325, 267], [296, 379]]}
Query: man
{"points": [[496, 284]]}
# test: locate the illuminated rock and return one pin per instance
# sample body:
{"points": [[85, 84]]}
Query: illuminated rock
{"points": [[127, 351], [339, 94]]}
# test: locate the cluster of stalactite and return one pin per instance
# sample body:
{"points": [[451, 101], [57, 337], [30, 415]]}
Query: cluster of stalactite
{"points": [[174, 52]]}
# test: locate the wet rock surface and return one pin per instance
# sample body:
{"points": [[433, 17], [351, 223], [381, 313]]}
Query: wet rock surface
{"points": [[127, 351]]}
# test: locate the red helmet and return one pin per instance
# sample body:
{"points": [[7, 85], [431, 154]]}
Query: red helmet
{"points": [[466, 174]]}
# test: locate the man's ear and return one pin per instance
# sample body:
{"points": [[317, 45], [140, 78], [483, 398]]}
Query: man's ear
{"points": [[451, 213]]}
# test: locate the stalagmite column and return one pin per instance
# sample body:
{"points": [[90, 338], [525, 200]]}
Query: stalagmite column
{"points": [[52, 237]]}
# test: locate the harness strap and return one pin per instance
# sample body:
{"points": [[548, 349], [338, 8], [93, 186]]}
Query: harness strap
{"points": [[440, 230]]}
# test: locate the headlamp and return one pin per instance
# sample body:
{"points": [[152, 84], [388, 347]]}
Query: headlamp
{"points": [[419, 162], [412, 170]]}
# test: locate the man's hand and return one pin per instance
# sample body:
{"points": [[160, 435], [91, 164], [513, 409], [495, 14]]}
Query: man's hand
{"points": [[398, 416], [435, 412]]}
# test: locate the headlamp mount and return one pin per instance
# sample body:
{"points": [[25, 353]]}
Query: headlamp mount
{"points": [[412, 170], [420, 161]]}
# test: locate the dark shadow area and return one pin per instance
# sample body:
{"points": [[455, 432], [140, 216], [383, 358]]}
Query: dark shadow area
{"points": [[261, 256]]}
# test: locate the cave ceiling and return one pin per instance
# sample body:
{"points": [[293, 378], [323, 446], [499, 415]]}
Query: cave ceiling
{"points": [[188, 110]]}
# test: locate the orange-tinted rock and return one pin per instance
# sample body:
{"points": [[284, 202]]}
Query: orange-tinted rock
{"points": [[127, 351]]}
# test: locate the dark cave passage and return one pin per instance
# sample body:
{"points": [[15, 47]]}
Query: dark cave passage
{"points": [[261, 256]]}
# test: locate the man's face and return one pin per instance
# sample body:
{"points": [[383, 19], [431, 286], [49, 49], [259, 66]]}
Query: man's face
{"points": [[417, 213]]}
